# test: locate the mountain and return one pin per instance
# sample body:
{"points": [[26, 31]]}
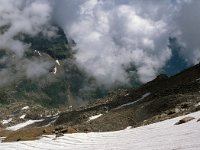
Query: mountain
{"points": [[163, 98], [51, 74], [46, 75]]}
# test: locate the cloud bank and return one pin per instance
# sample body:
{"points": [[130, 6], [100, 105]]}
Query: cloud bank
{"points": [[111, 36], [17, 18]]}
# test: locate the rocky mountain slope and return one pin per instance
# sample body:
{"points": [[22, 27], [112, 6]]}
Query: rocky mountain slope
{"points": [[161, 99], [46, 75]]}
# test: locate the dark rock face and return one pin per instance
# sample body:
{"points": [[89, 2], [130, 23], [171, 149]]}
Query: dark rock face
{"points": [[161, 77], [184, 120], [59, 134], [169, 97]]}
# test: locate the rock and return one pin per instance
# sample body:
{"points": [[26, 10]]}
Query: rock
{"points": [[162, 77], [198, 104], [173, 111], [198, 120], [63, 130], [185, 105], [45, 131], [59, 128], [197, 108], [163, 115], [71, 130], [32, 116], [170, 112], [1, 125], [184, 120], [177, 110], [59, 134]]}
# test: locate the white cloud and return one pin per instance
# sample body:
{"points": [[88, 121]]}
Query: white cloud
{"points": [[188, 23], [110, 35], [22, 16], [36, 68]]}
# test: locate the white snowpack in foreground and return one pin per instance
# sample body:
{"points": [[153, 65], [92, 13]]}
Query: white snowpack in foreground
{"points": [[159, 136], [95, 117], [131, 103], [21, 125]]}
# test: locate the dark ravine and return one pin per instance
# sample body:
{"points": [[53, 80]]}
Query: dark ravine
{"points": [[161, 99]]}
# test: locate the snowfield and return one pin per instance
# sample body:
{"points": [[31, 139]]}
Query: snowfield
{"points": [[159, 136], [21, 125]]}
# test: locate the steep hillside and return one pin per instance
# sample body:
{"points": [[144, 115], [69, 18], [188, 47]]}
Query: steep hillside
{"points": [[56, 76], [161, 99]]}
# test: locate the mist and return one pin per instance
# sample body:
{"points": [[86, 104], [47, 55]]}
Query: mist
{"points": [[111, 36]]}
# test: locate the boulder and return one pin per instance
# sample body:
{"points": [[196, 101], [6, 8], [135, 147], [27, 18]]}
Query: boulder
{"points": [[72, 130], [197, 108], [185, 105], [58, 128], [173, 111], [62, 129], [184, 120], [59, 134]]}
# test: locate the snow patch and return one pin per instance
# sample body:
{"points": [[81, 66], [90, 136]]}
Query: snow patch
{"points": [[49, 116], [6, 121], [57, 61], [198, 104], [198, 79], [94, 117], [158, 136], [131, 103], [127, 94], [25, 108], [55, 70], [21, 125], [22, 117], [36, 51]]}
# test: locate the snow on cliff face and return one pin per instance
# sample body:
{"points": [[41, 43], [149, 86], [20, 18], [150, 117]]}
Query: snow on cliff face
{"points": [[159, 136], [57, 62], [25, 108], [55, 70], [131, 103], [94, 117]]}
